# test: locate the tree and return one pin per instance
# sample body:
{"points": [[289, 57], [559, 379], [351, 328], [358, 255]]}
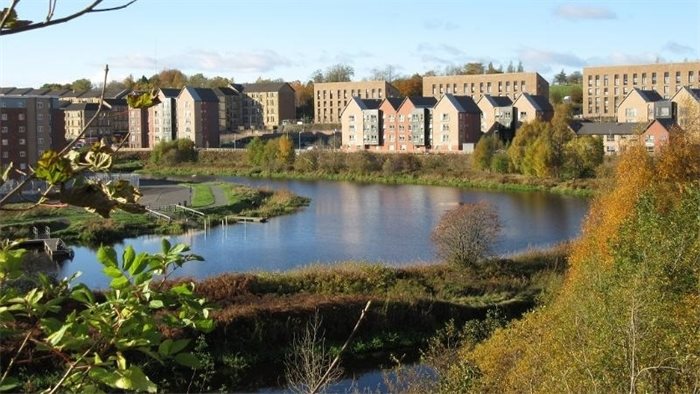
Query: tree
{"points": [[81, 85], [487, 146], [317, 76], [490, 69], [198, 81], [583, 155], [555, 97], [576, 94], [338, 73], [116, 86], [174, 152], [412, 86], [510, 68], [388, 73], [465, 235], [255, 151], [560, 79], [575, 78], [520, 67], [55, 86], [170, 78], [474, 68], [219, 82], [285, 151]]}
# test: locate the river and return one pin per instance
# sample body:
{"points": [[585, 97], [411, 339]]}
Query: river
{"points": [[350, 221]]}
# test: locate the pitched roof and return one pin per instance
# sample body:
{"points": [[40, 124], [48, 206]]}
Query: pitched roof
{"points": [[541, 103], [694, 93], [6, 90], [607, 128], [83, 107], [648, 95], [112, 102], [201, 94], [225, 91], [170, 92], [496, 101], [467, 103], [422, 102], [395, 102], [263, 87]]}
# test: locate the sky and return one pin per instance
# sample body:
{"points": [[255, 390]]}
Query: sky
{"points": [[248, 39]]}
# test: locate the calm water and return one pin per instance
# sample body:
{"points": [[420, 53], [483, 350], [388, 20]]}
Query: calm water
{"points": [[348, 221]]}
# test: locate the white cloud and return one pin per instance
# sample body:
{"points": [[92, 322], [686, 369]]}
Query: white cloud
{"points": [[677, 48], [437, 24], [538, 59], [578, 12]]}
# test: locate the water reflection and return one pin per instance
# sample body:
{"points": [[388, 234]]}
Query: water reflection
{"points": [[347, 221]]}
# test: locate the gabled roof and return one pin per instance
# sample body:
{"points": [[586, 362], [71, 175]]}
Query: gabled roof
{"points": [[422, 102], [540, 103], [7, 90], [497, 101], [170, 92], [225, 91], [364, 104], [694, 93], [648, 95], [467, 103], [200, 94], [264, 87], [395, 102], [607, 128], [112, 102], [667, 123], [83, 107]]}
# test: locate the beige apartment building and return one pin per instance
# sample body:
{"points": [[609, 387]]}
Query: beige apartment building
{"points": [[687, 107], [510, 85], [330, 98], [496, 113], [266, 105], [643, 106], [198, 116], [361, 123], [527, 108], [604, 87], [456, 124]]}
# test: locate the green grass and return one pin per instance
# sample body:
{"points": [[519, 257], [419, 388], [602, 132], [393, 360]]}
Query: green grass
{"points": [[202, 195]]}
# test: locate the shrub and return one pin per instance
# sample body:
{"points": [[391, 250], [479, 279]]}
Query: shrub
{"points": [[465, 235], [174, 152]]}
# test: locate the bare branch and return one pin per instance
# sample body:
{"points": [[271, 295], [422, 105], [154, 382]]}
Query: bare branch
{"points": [[50, 22], [7, 14]]}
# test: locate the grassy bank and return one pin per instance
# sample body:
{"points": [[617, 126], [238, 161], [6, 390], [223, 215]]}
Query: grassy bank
{"points": [[440, 170], [77, 226], [258, 315]]}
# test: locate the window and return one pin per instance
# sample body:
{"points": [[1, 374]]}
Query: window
{"points": [[617, 80], [21, 116], [41, 141], [4, 129], [40, 105], [22, 153], [4, 116], [351, 118], [634, 79], [691, 77], [445, 138], [653, 78], [678, 77], [644, 78], [630, 113], [40, 116], [22, 141], [605, 80], [446, 127], [445, 117], [21, 129], [610, 138], [5, 155], [4, 142], [666, 78]]}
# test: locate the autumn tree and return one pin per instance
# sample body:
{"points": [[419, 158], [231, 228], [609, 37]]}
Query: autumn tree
{"points": [[170, 78], [81, 85], [484, 151], [411, 86], [474, 68], [465, 235]]}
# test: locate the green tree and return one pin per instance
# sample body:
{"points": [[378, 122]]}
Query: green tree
{"points": [[285, 151], [80, 85], [510, 68], [583, 155], [174, 152], [474, 68], [484, 150], [575, 78], [520, 67], [255, 151], [198, 81], [560, 79], [465, 235], [526, 135], [338, 73]]}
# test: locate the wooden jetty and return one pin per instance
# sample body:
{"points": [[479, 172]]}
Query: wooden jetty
{"points": [[248, 219], [55, 248]]}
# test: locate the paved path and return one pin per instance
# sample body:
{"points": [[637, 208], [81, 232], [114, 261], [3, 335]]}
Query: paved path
{"points": [[157, 196], [219, 195]]}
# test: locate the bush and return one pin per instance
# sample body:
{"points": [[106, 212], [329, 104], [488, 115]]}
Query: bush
{"points": [[174, 152], [465, 235], [500, 162]]}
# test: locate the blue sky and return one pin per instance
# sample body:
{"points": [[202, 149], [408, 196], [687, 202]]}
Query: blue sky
{"points": [[290, 39]]}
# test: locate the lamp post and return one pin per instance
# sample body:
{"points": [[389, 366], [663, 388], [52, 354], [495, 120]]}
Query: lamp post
{"points": [[300, 131]]}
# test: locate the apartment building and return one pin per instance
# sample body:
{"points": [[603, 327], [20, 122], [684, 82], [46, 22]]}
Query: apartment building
{"points": [[162, 117], [77, 116], [456, 124], [528, 107], [390, 138], [643, 106], [510, 85], [138, 128], [229, 109], [415, 123], [198, 116], [604, 87], [496, 113], [361, 124], [27, 127], [657, 133], [331, 97], [686, 103], [266, 105], [615, 136]]}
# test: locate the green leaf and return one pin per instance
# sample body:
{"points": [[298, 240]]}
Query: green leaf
{"points": [[113, 272], [10, 383], [137, 380], [181, 289], [6, 173], [155, 304], [165, 346], [188, 360], [55, 338], [107, 256], [142, 100], [165, 246], [121, 361], [83, 294], [179, 248], [128, 257], [119, 283], [179, 345], [140, 263]]}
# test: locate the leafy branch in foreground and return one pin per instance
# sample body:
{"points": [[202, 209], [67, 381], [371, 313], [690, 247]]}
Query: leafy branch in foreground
{"points": [[100, 341]]}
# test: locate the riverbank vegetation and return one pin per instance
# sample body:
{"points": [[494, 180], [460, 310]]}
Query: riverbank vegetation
{"points": [[75, 225], [625, 318], [258, 315]]}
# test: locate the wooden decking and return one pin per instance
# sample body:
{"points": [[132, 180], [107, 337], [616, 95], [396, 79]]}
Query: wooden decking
{"points": [[55, 248]]}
